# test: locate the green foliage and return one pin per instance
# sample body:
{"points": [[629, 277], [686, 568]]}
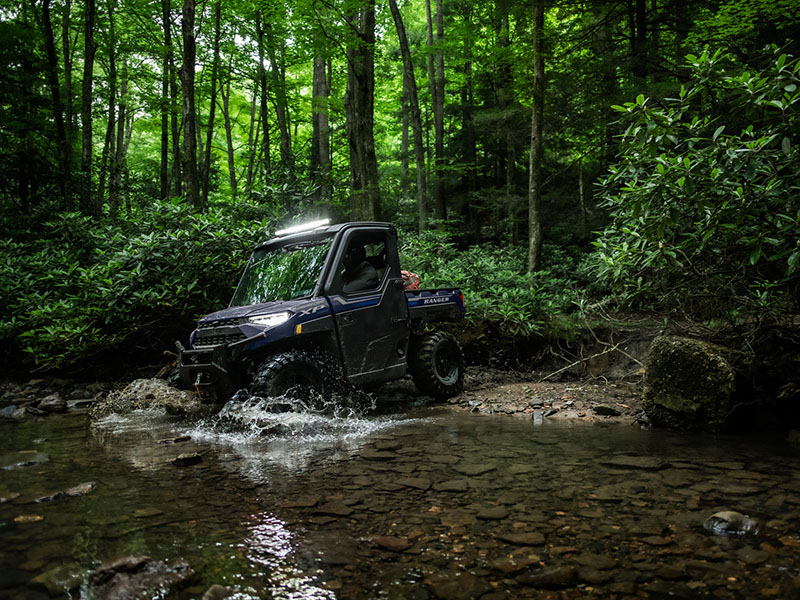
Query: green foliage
{"points": [[83, 289], [704, 198], [495, 283]]}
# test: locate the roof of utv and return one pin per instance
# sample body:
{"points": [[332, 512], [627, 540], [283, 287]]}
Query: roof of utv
{"points": [[318, 234]]}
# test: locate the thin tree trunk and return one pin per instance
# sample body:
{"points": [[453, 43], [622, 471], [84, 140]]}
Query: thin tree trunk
{"points": [[405, 187], [177, 160], [206, 175], [109, 146], [537, 121], [190, 178], [226, 114], [278, 78], [436, 80], [165, 102], [69, 121], [468, 136], [118, 157], [252, 140], [410, 84], [264, 114], [58, 108], [90, 48]]}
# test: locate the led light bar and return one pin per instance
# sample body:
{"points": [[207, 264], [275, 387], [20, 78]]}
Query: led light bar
{"points": [[304, 227]]}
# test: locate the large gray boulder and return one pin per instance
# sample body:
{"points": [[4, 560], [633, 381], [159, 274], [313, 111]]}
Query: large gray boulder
{"points": [[690, 385]]}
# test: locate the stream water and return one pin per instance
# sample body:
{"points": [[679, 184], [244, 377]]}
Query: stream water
{"points": [[426, 503]]}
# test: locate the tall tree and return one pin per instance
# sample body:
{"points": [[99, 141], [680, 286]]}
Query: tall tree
{"points": [[537, 122], [64, 150], [359, 107], [320, 122], [436, 79], [410, 87], [190, 176], [89, 49], [205, 175]]}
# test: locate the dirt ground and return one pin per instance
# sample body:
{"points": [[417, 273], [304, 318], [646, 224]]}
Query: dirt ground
{"points": [[525, 395]]}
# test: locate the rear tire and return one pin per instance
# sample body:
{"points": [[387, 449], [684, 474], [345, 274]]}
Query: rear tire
{"points": [[437, 365], [292, 376]]}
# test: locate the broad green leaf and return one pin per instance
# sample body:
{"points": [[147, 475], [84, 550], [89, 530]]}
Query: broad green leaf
{"points": [[719, 130]]}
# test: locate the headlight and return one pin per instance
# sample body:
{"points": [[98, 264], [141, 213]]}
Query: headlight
{"points": [[271, 320]]}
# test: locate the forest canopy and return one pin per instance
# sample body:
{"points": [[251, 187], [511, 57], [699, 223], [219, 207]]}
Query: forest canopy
{"points": [[546, 156]]}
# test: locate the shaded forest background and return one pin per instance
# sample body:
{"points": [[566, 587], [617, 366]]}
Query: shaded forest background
{"points": [[557, 160]]}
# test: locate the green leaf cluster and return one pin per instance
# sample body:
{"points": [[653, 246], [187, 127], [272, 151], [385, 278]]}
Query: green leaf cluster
{"points": [[705, 196]]}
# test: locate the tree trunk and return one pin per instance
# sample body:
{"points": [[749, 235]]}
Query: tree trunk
{"points": [[468, 136], [278, 77], [359, 109], [410, 84], [320, 143], [58, 108], [69, 121], [264, 114], [87, 206], [109, 146], [206, 175], [118, 157], [436, 78], [252, 140], [226, 113], [170, 99], [190, 178], [537, 121]]}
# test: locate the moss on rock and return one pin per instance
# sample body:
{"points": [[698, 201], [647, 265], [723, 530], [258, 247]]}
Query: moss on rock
{"points": [[689, 384]]}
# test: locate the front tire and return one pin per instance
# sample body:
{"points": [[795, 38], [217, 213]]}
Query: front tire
{"points": [[294, 377], [437, 365]]}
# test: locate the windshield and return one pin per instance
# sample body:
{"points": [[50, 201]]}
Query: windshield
{"points": [[281, 274]]}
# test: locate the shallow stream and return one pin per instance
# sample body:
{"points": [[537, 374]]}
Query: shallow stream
{"points": [[427, 503]]}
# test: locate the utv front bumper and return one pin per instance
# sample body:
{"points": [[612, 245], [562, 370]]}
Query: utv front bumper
{"points": [[208, 371]]}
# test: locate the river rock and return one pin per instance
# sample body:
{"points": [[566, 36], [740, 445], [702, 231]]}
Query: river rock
{"points": [[52, 404], [217, 592], [729, 522], [150, 393], [59, 581], [689, 385], [136, 578], [391, 542], [550, 578], [457, 585]]}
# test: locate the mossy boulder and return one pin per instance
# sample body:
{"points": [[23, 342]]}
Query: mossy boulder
{"points": [[691, 385]]}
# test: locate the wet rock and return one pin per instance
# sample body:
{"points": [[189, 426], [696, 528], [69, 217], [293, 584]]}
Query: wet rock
{"points": [[186, 460], [533, 538], [729, 522], [377, 455], [145, 513], [150, 393], [8, 496], [23, 458], [175, 440], [334, 509], [8, 412], [599, 562], [515, 562], [474, 469], [550, 578], [391, 542], [644, 463], [30, 409], [60, 581], [493, 513], [416, 483], [80, 490], [217, 592], [455, 485], [457, 585], [50, 497], [689, 384], [24, 519], [52, 404], [136, 578], [605, 410]]}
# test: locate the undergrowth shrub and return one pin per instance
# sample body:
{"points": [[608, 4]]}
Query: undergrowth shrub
{"points": [[82, 288], [497, 287]]}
